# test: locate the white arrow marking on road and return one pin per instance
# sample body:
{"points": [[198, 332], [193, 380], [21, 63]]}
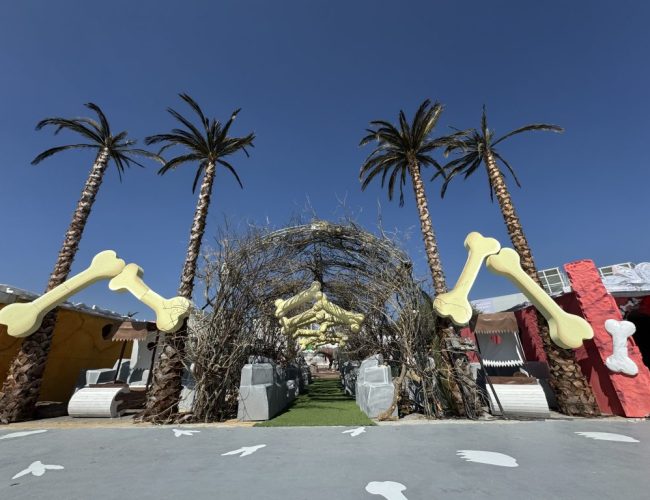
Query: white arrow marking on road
{"points": [[355, 432], [488, 457], [183, 432], [22, 433], [608, 436], [244, 450], [37, 469], [390, 490]]}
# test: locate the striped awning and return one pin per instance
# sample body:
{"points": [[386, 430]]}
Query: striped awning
{"points": [[503, 322]]}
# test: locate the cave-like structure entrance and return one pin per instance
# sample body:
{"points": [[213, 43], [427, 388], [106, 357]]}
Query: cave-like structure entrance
{"points": [[339, 289]]}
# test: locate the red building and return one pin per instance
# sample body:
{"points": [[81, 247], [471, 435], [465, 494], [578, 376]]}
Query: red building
{"points": [[613, 292]]}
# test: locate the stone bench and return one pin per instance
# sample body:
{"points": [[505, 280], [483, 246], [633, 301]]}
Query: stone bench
{"points": [[519, 397], [97, 401]]}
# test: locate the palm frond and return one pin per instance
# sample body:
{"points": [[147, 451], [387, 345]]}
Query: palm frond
{"points": [[197, 176], [70, 124], [52, 151], [224, 131], [510, 169], [178, 161], [484, 126], [105, 127], [374, 166], [206, 147], [397, 146], [232, 171], [197, 109], [145, 154], [198, 136], [545, 127], [391, 183], [372, 136]]}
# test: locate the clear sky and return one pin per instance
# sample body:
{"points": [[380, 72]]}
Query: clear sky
{"points": [[309, 76]]}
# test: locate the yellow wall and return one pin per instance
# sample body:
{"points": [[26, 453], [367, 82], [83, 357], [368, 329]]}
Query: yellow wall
{"points": [[77, 344]]}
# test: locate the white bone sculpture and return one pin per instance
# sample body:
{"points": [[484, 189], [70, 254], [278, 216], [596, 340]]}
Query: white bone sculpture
{"points": [[170, 313], [455, 303], [23, 319], [566, 330], [619, 361]]}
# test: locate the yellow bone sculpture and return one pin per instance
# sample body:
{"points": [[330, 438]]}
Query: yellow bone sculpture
{"points": [[455, 303], [23, 319], [170, 313], [325, 325], [344, 316], [322, 311], [566, 330], [282, 307], [306, 332], [302, 319]]}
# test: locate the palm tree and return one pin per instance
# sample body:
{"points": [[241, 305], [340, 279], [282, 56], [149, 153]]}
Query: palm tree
{"points": [[206, 146], [22, 385], [405, 151], [476, 147]]}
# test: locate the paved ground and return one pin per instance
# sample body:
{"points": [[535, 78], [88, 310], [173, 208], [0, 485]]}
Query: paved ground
{"points": [[539, 460]]}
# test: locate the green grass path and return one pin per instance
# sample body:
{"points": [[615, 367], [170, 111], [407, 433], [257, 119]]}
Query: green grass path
{"points": [[324, 403]]}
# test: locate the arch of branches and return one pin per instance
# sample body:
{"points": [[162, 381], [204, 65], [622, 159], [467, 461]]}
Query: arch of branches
{"points": [[357, 270]]}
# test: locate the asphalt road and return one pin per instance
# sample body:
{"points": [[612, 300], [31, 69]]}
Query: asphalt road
{"points": [[538, 460]]}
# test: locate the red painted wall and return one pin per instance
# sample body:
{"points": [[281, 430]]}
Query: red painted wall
{"points": [[616, 393], [591, 364], [529, 334]]}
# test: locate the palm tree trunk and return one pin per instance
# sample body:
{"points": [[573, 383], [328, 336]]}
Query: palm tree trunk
{"points": [[430, 243], [462, 387], [163, 398], [196, 234], [22, 386], [574, 396]]}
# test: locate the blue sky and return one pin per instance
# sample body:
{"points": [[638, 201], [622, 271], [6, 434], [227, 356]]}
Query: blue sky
{"points": [[309, 76]]}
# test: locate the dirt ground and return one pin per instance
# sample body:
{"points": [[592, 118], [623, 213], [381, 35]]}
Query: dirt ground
{"points": [[97, 423]]}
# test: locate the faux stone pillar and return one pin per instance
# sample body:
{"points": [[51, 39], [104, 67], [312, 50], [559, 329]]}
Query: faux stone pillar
{"points": [[621, 394]]}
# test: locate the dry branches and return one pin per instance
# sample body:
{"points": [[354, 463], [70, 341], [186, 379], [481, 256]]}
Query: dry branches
{"points": [[358, 271]]}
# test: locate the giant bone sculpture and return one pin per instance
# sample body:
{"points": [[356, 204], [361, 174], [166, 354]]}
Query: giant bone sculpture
{"points": [[170, 313], [455, 304], [619, 361], [323, 312], [23, 319], [566, 330]]}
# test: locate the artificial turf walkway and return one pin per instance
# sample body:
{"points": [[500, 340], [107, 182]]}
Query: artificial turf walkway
{"points": [[324, 403]]}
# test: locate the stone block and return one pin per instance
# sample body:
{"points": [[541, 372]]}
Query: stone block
{"points": [[256, 374], [374, 388], [377, 399], [265, 390], [377, 375], [257, 402]]}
